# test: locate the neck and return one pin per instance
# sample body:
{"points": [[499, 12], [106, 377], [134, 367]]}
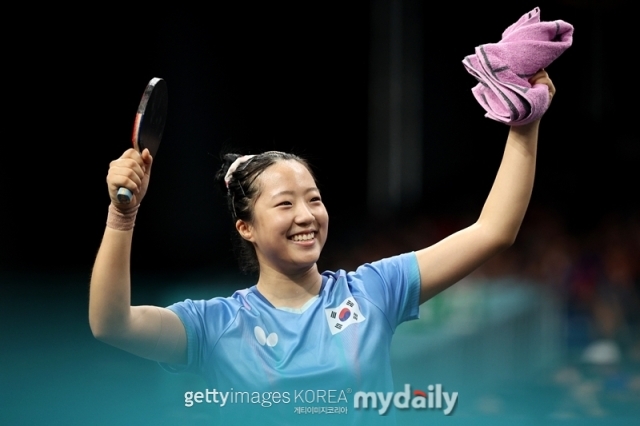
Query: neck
{"points": [[289, 291]]}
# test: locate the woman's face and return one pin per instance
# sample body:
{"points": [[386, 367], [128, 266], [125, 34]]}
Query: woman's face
{"points": [[290, 223]]}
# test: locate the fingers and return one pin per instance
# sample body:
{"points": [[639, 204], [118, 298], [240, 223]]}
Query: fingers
{"points": [[148, 161], [129, 167], [129, 171], [541, 77]]}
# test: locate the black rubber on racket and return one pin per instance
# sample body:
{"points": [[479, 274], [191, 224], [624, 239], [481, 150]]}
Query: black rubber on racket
{"points": [[149, 124]]}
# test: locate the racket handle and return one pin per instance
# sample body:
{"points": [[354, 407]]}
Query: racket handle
{"points": [[124, 195]]}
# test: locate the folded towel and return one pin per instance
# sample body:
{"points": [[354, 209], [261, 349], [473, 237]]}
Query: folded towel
{"points": [[503, 69]]}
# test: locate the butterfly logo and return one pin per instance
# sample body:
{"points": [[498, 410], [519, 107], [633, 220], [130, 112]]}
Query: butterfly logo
{"points": [[261, 336]]}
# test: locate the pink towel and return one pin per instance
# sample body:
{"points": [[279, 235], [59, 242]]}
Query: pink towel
{"points": [[504, 68]]}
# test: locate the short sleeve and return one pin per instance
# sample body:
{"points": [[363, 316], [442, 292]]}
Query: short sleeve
{"points": [[393, 285], [204, 322]]}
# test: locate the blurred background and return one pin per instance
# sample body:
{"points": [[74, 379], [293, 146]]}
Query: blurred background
{"points": [[374, 95]]}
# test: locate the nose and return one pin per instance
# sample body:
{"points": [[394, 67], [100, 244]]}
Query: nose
{"points": [[304, 215]]}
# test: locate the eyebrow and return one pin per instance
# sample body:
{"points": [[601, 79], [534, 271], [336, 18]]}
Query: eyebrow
{"points": [[288, 192]]}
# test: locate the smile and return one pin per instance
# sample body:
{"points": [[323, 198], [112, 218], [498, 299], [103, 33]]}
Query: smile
{"points": [[303, 237]]}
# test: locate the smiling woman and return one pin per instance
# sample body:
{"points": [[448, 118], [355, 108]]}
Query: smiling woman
{"points": [[281, 221], [311, 339], [298, 341], [288, 230], [273, 198]]}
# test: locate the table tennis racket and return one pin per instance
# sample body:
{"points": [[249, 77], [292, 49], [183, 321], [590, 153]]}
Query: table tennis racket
{"points": [[149, 124]]}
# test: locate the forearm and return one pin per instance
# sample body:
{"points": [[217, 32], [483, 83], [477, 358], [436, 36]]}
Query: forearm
{"points": [[110, 291], [148, 331], [451, 259], [509, 197]]}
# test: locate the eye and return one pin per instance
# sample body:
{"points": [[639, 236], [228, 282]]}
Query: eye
{"points": [[317, 198], [284, 203]]}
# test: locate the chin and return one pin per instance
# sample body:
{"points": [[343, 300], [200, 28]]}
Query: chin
{"points": [[301, 265]]}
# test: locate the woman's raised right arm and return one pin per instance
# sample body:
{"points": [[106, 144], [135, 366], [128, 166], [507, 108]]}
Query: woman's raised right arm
{"points": [[148, 331]]}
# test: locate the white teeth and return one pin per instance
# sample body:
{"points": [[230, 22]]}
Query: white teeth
{"points": [[303, 237]]}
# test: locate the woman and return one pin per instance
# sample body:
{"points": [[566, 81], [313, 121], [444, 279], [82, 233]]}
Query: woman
{"points": [[298, 338]]}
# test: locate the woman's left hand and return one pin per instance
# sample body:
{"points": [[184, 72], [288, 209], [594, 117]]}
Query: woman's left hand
{"points": [[541, 77]]}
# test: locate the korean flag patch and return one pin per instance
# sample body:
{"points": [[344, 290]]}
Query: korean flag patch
{"points": [[344, 315]]}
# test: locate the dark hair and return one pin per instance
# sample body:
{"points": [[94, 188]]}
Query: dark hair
{"points": [[242, 192]]}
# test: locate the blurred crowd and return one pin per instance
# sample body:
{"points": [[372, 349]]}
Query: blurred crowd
{"points": [[595, 272]]}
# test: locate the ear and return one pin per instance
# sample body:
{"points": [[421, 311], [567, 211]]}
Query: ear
{"points": [[245, 230]]}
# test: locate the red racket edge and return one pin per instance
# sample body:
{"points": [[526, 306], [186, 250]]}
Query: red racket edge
{"points": [[124, 195]]}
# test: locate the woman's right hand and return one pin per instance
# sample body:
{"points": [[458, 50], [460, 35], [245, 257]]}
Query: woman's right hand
{"points": [[131, 171]]}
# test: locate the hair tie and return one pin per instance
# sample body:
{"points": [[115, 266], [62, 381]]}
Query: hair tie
{"points": [[233, 167]]}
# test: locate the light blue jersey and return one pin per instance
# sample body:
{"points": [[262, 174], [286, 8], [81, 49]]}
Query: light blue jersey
{"points": [[279, 367]]}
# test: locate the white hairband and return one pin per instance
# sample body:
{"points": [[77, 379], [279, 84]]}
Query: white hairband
{"points": [[234, 166]]}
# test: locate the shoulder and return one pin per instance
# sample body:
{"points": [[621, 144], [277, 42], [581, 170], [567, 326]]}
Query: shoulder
{"points": [[222, 309], [393, 275], [390, 270], [403, 267]]}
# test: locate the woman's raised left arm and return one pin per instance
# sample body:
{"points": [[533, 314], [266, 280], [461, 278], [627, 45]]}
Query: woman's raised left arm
{"points": [[456, 256]]}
